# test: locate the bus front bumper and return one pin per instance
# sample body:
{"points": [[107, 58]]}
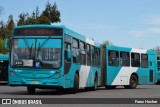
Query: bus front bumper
{"points": [[47, 82]]}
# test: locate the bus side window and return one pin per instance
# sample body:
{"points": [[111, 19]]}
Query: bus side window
{"points": [[144, 60], [113, 58], [135, 59], [124, 58], [67, 48], [75, 45], [93, 54], [82, 53], [97, 59], [88, 55]]}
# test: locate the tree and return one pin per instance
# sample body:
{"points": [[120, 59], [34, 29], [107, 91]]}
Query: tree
{"points": [[157, 49], [50, 15], [6, 32], [2, 29], [21, 20], [107, 42], [43, 20], [37, 12], [10, 26]]}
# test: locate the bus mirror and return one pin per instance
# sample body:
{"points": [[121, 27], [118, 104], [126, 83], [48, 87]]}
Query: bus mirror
{"points": [[5, 42]]}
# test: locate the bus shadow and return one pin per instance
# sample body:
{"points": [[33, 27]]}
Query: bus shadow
{"points": [[56, 93]]}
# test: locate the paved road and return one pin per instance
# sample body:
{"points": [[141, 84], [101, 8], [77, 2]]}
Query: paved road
{"points": [[142, 91]]}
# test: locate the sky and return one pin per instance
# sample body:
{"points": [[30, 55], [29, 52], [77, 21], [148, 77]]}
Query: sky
{"points": [[126, 23]]}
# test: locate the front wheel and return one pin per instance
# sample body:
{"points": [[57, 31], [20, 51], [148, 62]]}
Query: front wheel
{"points": [[60, 90], [133, 82], [31, 90]]}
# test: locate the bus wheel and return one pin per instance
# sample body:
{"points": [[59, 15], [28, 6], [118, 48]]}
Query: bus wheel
{"points": [[133, 82], [110, 87], [31, 90], [60, 90], [94, 88], [76, 84]]}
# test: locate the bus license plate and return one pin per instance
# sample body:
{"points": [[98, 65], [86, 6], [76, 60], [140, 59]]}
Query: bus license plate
{"points": [[34, 82]]}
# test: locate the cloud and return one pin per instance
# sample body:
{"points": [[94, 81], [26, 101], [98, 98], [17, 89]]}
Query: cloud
{"points": [[137, 33], [93, 27], [147, 32], [154, 30], [153, 20]]}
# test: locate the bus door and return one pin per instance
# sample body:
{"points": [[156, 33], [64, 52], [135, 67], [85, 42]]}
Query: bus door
{"points": [[152, 71]]}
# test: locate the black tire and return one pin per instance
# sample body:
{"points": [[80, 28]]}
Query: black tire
{"points": [[31, 90], [60, 90], [75, 88], [94, 88], [133, 82], [110, 87]]}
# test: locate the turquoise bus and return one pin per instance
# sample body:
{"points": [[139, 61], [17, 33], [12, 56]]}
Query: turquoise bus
{"points": [[55, 57], [129, 67], [47, 56], [4, 68]]}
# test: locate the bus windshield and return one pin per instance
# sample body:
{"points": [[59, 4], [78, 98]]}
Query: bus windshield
{"points": [[37, 53]]}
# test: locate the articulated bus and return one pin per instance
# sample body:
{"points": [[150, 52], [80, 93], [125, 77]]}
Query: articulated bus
{"points": [[4, 68], [129, 67], [46, 56]]}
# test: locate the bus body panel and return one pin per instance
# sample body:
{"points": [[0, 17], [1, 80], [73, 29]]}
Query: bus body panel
{"points": [[120, 75]]}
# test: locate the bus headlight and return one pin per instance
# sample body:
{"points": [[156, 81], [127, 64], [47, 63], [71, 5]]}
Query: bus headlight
{"points": [[11, 73], [58, 74]]}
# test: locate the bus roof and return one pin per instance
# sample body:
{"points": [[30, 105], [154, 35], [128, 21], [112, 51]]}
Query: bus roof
{"points": [[39, 25], [111, 47], [81, 37], [66, 30]]}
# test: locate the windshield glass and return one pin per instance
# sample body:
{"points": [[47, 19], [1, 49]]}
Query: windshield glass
{"points": [[39, 53]]}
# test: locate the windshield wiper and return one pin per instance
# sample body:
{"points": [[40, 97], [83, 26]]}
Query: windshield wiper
{"points": [[41, 45], [29, 48]]}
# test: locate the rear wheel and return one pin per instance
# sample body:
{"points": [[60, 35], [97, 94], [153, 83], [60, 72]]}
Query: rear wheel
{"points": [[94, 88], [76, 84], [110, 87], [31, 90], [133, 82]]}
